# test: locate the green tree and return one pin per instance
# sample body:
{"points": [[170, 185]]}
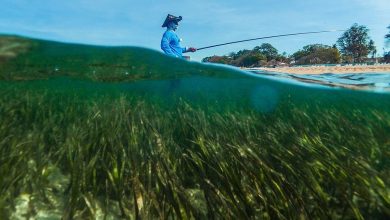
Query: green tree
{"points": [[217, 59], [355, 43], [262, 55], [372, 48], [317, 54], [242, 53], [252, 58], [268, 50], [386, 56], [283, 58], [387, 36]]}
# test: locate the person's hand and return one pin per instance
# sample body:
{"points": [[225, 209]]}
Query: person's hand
{"points": [[192, 49]]}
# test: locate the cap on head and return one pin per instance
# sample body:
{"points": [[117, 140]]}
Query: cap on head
{"points": [[171, 18]]}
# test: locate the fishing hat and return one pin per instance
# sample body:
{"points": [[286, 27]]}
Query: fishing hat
{"points": [[171, 18]]}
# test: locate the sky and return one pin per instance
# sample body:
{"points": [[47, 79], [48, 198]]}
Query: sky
{"points": [[205, 22]]}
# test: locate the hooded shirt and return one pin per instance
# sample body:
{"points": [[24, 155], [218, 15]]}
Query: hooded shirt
{"points": [[170, 44]]}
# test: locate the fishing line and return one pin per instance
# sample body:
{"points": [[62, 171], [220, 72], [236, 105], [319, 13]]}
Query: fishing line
{"points": [[274, 36]]}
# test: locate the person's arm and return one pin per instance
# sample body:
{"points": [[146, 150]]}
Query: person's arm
{"points": [[165, 45]]}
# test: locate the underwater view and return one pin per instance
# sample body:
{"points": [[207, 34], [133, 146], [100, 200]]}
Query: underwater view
{"points": [[92, 132]]}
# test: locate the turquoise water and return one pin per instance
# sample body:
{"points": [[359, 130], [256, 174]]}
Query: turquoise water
{"points": [[247, 90], [374, 82], [100, 132]]}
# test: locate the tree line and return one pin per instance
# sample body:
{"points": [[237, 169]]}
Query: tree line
{"points": [[354, 46]]}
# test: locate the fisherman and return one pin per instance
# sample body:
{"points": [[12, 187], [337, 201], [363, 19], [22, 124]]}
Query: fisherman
{"points": [[170, 42]]}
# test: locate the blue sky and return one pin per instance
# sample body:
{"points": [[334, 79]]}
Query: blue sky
{"points": [[205, 22]]}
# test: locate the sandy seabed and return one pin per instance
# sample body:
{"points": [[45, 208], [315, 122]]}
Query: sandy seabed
{"points": [[318, 69]]}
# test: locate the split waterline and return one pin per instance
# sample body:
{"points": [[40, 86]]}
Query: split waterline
{"points": [[184, 141]]}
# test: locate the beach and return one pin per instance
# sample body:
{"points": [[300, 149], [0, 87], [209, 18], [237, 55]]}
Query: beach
{"points": [[321, 69]]}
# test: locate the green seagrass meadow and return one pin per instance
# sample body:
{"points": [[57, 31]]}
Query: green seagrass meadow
{"points": [[191, 141]]}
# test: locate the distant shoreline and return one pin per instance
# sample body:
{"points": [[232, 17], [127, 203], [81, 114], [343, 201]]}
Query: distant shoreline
{"points": [[318, 69]]}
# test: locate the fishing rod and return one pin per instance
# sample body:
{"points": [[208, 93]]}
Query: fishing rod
{"points": [[274, 36]]}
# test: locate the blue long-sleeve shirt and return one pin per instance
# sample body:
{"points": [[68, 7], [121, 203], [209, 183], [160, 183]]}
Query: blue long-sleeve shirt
{"points": [[170, 44]]}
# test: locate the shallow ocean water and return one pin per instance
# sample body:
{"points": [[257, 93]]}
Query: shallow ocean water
{"points": [[375, 82], [99, 132]]}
